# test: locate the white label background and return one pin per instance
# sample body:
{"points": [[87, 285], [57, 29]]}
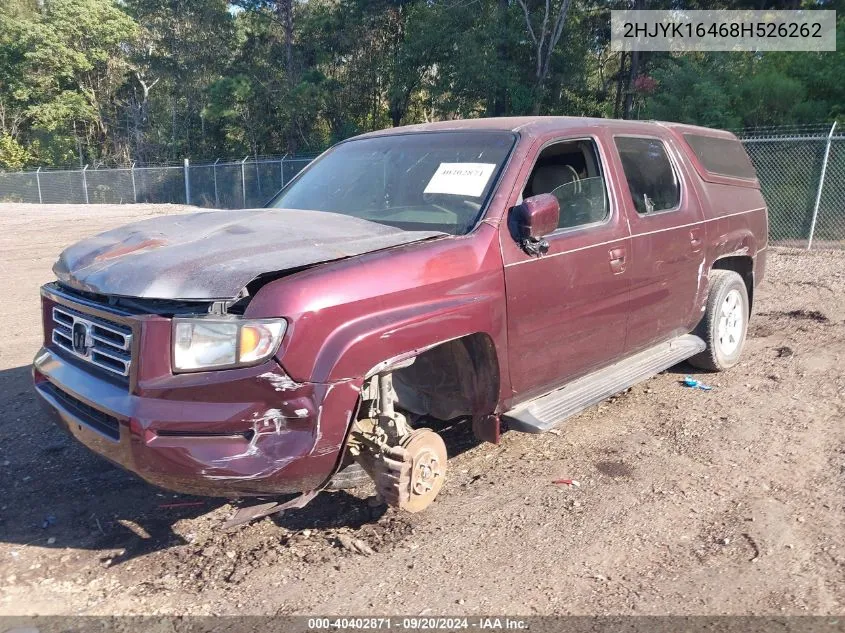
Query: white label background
{"points": [[460, 179]]}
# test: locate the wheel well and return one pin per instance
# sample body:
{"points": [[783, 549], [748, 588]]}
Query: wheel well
{"points": [[744, 266], [455, 379]]}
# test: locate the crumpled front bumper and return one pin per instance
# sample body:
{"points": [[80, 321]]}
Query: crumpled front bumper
{"points": [[240, 432]]}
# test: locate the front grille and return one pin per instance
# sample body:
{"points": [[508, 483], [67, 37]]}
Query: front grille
{"points": [[96, 419], [98, 341]]}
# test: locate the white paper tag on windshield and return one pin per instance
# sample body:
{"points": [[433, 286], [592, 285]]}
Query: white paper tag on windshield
{"points": [[460, 179]]}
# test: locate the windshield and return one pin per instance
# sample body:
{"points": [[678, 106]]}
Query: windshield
{"points": [[434, 181]]}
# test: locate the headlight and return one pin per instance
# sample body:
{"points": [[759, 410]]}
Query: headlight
{"points": [[207, 343]]}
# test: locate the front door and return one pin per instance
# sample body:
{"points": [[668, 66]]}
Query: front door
{"points": [[567, 309]]}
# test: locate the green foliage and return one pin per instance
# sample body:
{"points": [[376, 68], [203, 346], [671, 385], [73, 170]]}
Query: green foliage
{"points": [[12, 154], [152, 81], [694, 89], [746, 90], [64, 65]]}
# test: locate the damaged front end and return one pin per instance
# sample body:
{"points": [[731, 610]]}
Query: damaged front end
{"points": [[106, 373], [407, 465], [160, 355]]}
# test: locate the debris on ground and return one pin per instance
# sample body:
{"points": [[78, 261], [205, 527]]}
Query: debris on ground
{"points": [[567, 482], [689, 381], [354, 545], [245, 515]]}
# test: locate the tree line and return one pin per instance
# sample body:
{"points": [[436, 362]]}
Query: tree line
{"points": [[111, 82]]}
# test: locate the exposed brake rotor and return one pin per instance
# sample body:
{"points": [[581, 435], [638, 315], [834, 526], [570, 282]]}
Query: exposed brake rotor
{"points": [[410, 475], [407, 466], [427, 455]]}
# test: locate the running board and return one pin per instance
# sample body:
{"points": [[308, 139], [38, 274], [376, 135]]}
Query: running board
{"points": [[551, 410]]}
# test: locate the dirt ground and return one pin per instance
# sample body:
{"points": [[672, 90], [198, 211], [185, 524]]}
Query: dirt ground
{"points": [[730, 501]]}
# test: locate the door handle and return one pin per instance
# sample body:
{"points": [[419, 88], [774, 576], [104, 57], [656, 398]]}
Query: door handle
{"points": [[617, 260]]}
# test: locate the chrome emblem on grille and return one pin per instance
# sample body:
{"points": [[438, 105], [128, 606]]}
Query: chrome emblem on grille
{"points": [[97, 340], [82, 339]]}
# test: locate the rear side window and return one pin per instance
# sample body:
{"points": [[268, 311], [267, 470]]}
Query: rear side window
{"points": [[723, 156], [651, 178]]}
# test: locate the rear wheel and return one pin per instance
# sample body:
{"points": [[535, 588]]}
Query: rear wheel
{"points": [[725, 322]]}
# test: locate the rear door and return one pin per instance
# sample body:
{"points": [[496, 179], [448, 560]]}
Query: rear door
{"points": [[667, 239], [567, 309]]}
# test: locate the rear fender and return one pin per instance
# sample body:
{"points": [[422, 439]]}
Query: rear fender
{"points": [[735, 243], [725, 242]]}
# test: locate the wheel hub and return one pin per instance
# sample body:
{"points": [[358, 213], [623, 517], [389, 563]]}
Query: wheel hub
{"points": [[731, 317]]}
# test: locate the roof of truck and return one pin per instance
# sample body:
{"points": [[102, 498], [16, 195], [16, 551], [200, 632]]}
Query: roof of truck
{"points": [[538, 125]]}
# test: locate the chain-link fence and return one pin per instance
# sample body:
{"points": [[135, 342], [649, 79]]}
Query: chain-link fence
{"points": [[802, 175], [801, 171], [223, 185]]}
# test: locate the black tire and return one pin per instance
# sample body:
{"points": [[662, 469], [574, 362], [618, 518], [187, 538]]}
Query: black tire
{"points": [[722, 352], [351, 476]]}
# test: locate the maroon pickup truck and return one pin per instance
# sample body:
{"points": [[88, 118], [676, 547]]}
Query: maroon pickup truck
{"points": [[506, 271]]}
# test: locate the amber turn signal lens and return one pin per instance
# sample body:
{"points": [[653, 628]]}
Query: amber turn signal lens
{"points": [[258, 340], [250, 339]]}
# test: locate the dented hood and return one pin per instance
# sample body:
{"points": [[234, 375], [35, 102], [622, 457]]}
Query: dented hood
{"points": [[213, 255]]}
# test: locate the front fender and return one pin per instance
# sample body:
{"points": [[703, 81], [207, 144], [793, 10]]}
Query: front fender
{"points": [[356, 348], [347, 317]]}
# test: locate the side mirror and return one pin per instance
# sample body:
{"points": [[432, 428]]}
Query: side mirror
{"points": [[535, 218]]}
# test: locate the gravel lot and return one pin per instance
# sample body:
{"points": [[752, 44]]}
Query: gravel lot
{"points": [[690, 502]]}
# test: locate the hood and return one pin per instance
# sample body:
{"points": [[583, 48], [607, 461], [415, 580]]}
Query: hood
{"points": [[215, 254]]}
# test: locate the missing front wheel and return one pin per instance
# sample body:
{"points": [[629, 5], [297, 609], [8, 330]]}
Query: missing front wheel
{"points": [[408, 466]]}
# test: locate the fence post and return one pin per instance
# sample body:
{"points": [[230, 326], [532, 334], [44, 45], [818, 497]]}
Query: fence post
{"points": [[38, 182], [134, 189], [187, 182], [85, 183], [243, 180], [282, 170], [821, 186], [214, 171]]}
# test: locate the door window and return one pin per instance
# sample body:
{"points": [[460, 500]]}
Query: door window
{"points": [[651, 178], [571, 172]]}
